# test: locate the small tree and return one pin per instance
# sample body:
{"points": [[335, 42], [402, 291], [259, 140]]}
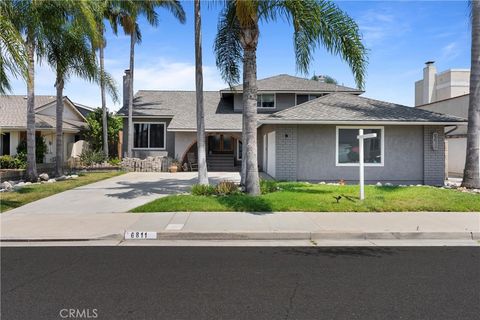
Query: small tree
{"points": [[93, 133], [40, 149]]}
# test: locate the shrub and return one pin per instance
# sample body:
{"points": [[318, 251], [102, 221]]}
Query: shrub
{"points": [[114, 161], [40, 149], [226, 188], [203, 190], [9, 162], [89, 157], [93, 133], [268, 186]]}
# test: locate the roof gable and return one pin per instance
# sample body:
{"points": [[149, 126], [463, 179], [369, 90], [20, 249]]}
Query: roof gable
{"points": [[288, 83]]}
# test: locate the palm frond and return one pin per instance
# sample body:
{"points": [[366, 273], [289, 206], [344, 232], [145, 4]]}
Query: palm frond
{"points": [[227, 47]]}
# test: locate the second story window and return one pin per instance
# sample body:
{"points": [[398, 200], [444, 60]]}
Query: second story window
{"points": [[266, 101], [301, 98]]}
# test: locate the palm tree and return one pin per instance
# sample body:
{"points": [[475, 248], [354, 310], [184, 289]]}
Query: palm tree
{"points": [[127, 18], [316, 23], [33, 19], [36, 19], [471, 174], [71, 51], [202, 161], [107, 10], [13, 57]]}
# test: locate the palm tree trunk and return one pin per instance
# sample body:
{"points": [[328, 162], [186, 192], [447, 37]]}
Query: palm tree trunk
{"points": [[59, 84], [31, 158], [243, 170], [104, 104], [201, 152], [471, 174], [252, 183], [130, 96]]}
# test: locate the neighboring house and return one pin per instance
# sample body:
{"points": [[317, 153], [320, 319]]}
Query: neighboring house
{"points": [[306, 131], [13, 124], [448, 93]]}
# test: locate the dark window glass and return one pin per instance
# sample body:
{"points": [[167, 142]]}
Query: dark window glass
{"points": [[240, 151], [348, 146], [268, 101], [227, 143], [5, 144], [157, 135], [140, 139], [301, 98]]}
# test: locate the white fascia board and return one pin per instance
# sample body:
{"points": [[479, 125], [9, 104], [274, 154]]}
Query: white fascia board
{"points": [[420, 123]]}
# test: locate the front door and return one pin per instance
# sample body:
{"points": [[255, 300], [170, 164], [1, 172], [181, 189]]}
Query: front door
{"points": [[220, 143]]}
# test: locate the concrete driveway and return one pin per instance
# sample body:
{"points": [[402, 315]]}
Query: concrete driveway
{"points": [[119, 194]]}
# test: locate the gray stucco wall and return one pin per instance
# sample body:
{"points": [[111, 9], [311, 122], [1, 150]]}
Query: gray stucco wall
{"points": [[403, 154], [307, 153], [143, 153]]}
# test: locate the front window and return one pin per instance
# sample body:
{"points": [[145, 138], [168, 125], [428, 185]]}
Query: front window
{"points": [[149, 135], [266, 101], [348, 146]]}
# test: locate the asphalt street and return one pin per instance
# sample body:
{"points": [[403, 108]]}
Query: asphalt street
{"points": [[240, 283]]}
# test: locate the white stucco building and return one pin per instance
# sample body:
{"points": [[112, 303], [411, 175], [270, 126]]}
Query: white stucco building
{"points": [[447, 92]]}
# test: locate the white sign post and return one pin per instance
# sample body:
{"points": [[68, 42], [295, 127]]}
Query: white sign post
{"points": [[360, 138]]}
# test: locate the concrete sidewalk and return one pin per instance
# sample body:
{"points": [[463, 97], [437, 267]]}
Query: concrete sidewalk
{"points": [[242, 226]]}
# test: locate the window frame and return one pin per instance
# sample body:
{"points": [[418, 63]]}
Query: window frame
{"points": [[148, 135], [238, 149], [261, 101], [382, 146]]}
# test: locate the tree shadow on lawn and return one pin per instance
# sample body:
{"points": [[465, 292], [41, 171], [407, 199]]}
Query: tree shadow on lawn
{"points": [[255, 205], [389, 189], [306, 190]]}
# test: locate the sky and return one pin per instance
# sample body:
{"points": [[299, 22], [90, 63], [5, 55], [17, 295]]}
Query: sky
{"points": [[400, 36]]}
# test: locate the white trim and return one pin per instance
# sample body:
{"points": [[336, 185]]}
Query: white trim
{"points": [[360, 122], [267, 108], [54, 104], [238, 149], [382, 146], [148, 135]]}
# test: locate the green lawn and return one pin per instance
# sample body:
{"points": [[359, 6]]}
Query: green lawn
{"points": [[15, 199], [315, 197]]}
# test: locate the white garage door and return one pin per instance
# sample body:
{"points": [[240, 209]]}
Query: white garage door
{"points": [[271, 154]]}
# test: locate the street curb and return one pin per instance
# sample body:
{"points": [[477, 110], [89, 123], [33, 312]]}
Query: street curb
{"points": [[273, 235], [320, 235]]}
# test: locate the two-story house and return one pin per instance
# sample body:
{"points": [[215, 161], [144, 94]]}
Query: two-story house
{"points": [[307, 130]]}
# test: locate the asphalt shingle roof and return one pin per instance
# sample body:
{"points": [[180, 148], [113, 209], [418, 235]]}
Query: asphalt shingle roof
{"points": [[181, 105], [288, 83], [347, 107], [13, 113]]}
